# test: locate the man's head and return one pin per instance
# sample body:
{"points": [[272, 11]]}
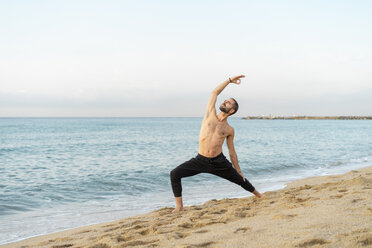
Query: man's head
{"points": [[229, 106]]}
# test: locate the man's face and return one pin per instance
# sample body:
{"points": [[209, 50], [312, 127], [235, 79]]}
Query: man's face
{"points": [[227, 105]]}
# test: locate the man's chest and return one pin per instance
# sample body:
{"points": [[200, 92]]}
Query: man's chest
{"points": [[215, 128]]}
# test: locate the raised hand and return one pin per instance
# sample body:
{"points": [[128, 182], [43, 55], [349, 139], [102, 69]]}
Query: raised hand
{"points": [[236, 79]]}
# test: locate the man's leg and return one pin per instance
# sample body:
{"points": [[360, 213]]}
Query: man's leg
{"points": [[233, 176], [187, 169]]}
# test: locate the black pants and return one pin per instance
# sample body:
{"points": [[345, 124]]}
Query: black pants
{"points": [[218, 166]]}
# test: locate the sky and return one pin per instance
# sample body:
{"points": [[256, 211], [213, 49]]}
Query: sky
{"points": [[163, 58]]}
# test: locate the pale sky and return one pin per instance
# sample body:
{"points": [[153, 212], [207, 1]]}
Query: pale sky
{"points": [[163, 58]]}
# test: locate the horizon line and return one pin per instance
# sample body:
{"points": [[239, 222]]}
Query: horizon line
{"points": [[3, 117]]}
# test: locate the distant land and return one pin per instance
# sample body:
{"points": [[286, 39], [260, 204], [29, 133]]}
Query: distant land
{"points": [[307, 117]]}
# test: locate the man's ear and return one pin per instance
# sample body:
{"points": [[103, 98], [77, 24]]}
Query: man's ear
{"points": [[231, 111]]}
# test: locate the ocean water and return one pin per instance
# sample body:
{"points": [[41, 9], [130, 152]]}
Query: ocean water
{"points": [[61, 173]]}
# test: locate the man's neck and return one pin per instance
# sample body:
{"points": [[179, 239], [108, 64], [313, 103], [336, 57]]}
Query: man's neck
{"points": [[222, 116]]}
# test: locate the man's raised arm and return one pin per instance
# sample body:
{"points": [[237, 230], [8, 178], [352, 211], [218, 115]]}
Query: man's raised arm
{"points": [[213, 98]]}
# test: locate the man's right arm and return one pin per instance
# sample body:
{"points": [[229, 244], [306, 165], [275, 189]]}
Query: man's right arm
{"points": [[213, 98], [211, 106]]}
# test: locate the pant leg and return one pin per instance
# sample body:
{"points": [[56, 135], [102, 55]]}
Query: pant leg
{"points": [[229, 173], [187, 169]]}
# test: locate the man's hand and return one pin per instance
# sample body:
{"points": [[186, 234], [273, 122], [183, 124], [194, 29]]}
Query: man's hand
{"points": [[236, 80], [240, 173], [213, 98]]}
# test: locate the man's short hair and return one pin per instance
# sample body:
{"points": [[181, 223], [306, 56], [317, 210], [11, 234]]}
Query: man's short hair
{"points": [[235, 106]]}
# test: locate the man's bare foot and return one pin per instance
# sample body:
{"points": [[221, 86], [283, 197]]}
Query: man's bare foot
{"points": [[179, 205], [177, 210], [258, 194]]}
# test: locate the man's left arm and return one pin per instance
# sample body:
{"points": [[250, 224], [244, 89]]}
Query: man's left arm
{"points": [[232, 153]]}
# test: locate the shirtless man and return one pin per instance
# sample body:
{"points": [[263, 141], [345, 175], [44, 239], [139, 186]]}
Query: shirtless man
{"points": [[210, 159]]}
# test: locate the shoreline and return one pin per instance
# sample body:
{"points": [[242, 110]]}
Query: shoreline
{"points": [[325, 211]]}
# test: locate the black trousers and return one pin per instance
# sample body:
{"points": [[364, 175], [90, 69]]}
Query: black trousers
{"points": [[218, 166]]}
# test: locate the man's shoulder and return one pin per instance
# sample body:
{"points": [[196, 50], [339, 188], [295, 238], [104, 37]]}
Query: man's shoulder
{"points": [[230, 129]]}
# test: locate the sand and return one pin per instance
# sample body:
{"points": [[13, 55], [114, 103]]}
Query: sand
{"points": [[330, 211]]}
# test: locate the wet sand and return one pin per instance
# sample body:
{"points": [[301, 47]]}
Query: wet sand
{"points": [[329, 211]]}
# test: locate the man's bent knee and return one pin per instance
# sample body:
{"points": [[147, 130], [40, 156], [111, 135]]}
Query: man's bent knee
{"points": [[173, 175]]}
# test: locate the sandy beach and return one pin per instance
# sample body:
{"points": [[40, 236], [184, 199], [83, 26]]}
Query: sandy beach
{"points": [[328, 211]]}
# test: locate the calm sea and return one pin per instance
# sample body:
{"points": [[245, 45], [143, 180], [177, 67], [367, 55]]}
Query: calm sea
{"points": [[60, 173]]}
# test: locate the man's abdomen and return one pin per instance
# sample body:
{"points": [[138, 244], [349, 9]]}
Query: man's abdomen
{"points": [[209, 148]]}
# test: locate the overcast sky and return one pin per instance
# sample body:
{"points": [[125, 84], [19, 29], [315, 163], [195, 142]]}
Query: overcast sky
{"points": [[163, 58]]}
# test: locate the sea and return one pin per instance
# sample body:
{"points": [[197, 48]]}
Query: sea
{"points": [[61, 173]]}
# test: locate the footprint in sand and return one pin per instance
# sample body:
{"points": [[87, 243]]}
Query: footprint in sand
{"points": [[56, 240], [336, 196], [124, 238], [186, 225], [366, 240], [205, 244], [112, 229], [86, 231], [195, 208], [306, 186], [147, 231], [240, 214], [139, 243], [197, 215], [138, 224], [136, 227], [284, 216], [178, 235], [62, 246], [301, 200], [242, 230], [163, 230], [101, 245], [222, 211], [144, 232], [205, 223], [163, 211], [312, 242], [202, 231]]}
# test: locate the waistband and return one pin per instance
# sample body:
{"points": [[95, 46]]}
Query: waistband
{"points": [[210, 158]]}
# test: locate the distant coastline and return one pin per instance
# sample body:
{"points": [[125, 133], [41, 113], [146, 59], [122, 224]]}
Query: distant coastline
{"points": [[307, 117]]}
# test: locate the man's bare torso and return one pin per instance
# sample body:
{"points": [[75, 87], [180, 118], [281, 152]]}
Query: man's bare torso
{"points": [[212, 135]]}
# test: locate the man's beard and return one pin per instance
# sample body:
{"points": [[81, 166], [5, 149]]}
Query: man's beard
{"points": [[224, 109]]}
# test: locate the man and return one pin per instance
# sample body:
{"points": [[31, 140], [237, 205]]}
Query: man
{"points": [[210, 159]]}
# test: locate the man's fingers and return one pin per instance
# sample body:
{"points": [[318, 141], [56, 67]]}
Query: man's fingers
{"points": [[237, 77], [242, 176]]}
